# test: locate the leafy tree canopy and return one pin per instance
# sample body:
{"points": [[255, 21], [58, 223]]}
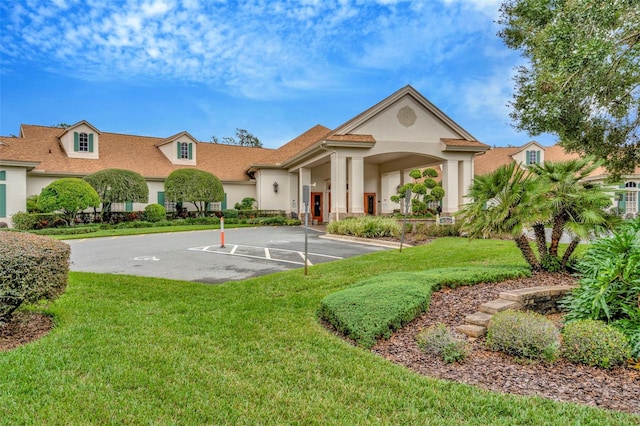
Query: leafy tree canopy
{"points": [[118, 186], [68, 195], [193, 186], [244, 138], [582, 81]]}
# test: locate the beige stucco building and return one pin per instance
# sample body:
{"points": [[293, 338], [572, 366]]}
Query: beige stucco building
{"points": [[352, 170]]}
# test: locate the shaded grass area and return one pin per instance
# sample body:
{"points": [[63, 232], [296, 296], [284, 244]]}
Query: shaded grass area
{"points": [[376, 307], [130, 350]]}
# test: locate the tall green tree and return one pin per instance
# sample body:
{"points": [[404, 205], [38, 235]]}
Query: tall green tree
{"points": [[118, 186], [244, 138], [582, 79], [505, 201], [69, 196], [193, 186]]}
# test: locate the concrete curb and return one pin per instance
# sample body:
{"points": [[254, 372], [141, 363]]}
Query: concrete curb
{"points": [[367, 241]]}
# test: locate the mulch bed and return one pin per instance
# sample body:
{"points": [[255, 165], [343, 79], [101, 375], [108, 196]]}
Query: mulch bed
{"points": [[615, 389], [23, 328]]}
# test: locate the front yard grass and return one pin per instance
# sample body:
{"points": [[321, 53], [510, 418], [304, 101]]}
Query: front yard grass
{"points": [[131, 350]]}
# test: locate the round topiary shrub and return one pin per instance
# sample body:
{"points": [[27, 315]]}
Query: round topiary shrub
{"points": [[595, 343], [525, 334], [32, 267], [155, 213]]}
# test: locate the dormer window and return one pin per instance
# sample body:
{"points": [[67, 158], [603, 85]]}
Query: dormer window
{"points": [[185, 151], [83, 145], [533, 157], [83, 142]]}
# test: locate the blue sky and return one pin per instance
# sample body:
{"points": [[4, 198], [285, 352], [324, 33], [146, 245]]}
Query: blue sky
{"points": [[273, 67]]}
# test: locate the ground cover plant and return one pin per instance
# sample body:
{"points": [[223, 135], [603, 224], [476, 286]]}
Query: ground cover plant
{"points": [[376, 307], [131, 350]]}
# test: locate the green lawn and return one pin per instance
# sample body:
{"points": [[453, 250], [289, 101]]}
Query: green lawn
{"points": [[129, 350]]}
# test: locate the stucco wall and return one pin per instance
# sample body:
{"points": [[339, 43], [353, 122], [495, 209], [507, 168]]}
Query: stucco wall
{"points": [[16, 192]]}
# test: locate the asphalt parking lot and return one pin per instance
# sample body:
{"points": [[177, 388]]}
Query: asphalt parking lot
{"points": [[198, 255]]}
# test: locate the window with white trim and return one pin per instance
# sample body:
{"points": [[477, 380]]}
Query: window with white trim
{"points": [[83, 142], [532, 157], [631, 203]]}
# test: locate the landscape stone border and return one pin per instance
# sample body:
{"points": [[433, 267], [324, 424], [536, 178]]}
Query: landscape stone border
{"points": [[543, 300]]}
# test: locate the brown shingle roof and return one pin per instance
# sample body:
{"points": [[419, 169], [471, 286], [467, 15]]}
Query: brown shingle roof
{"points": [[462, 142], [136, 153], [294, 146], [499, 156]]}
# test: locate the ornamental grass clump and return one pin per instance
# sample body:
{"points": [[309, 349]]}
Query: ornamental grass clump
{"points": [[523, 334], [32, 267], [366, 227], [595, 343], [438, 340]]}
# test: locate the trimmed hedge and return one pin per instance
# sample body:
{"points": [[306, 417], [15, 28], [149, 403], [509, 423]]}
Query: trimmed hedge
{"points": [[32, 267], [374, 308]]}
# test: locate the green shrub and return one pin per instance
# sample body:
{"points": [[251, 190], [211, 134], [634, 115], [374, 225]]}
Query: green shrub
{"points": [[375, 307], [230, 214], [523, 334], [24, 221], [32, 267], [610, 285], [201, 221], [439, 341], [433, 230], [293, 222], [595, 343], [609, 289], [366, 227], [155, 213]]}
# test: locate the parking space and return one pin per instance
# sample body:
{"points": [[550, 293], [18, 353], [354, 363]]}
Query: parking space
{"points": [[198, 255]]}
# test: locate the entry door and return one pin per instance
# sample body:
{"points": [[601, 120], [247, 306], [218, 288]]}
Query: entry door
{"points": [[316, 206], [370, 203]]}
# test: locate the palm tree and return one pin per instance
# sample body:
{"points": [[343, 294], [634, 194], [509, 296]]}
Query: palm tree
{"points": [[575, 204], [506, 201]]}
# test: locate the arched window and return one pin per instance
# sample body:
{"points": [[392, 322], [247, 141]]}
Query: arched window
{"points": [[631, 202]]}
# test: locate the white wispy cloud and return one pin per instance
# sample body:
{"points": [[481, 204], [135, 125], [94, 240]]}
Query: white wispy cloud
{"points": [[258, 48]]}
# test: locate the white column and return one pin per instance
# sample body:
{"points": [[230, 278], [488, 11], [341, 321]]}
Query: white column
{"points": [[338, 186], [450, 186], [465, 178], [356, 186]]}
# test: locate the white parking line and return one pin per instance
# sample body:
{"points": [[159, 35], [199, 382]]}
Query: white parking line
{"points": [[268, 253]]}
